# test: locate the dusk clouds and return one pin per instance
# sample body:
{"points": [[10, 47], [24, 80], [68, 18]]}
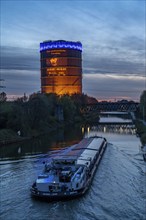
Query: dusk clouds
{"points": [[112, 34]]}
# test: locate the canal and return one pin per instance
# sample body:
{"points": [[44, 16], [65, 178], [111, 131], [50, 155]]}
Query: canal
{"points": [[118, 190]]}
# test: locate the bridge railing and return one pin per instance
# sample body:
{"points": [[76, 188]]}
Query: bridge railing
{"points": [[111, 106]]}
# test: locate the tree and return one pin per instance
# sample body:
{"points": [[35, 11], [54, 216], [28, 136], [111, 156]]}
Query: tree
{"points": [[40, 110], [22, 99], [69, 108], [3, 97], [14, 120], [143, 105]]}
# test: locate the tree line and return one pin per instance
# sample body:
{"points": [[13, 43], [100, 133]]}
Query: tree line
{"points": [[143, 105], [43, 112]]}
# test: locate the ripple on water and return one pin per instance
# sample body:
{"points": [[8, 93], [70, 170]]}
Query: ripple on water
{"points": [[117, 190]]}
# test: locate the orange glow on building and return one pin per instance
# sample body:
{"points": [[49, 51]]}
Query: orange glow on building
{"points": [[61, 67]]}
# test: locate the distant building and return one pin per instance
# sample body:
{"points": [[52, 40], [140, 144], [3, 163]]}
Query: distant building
{"points": [[61, 67]]}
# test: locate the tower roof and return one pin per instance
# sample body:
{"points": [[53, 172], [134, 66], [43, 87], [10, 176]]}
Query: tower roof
{"points": [[60, 44]]}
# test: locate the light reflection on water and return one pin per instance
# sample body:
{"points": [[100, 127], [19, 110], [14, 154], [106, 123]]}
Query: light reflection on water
{"points": [[41, 145], [117, 191]]}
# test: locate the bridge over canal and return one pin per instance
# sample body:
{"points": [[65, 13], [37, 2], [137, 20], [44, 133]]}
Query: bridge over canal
{"points": [[110, 107]]}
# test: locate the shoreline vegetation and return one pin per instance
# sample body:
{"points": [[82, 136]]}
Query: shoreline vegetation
{"points": [[140, 122], [141, 131], [28, 118]]}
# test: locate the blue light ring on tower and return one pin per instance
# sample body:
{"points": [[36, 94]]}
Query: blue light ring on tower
{"points": [[60, 45]]}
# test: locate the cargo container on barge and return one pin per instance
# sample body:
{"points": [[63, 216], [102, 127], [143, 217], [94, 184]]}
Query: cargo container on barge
{"points": [[69, 175]]}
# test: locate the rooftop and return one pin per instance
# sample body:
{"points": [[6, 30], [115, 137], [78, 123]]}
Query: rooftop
{"points": [[60, 44]]}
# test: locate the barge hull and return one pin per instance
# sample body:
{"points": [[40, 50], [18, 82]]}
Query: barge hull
{"points": [[47, 196]]}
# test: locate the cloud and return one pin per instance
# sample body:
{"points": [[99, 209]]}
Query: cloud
{"points": [[133, 43], [122, 87], [17, 58], [18, 82], [112, 34], [112, 65]]}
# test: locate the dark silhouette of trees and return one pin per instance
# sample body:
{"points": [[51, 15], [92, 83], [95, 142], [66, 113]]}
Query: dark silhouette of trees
{"points": [[3, 97], [38, 113], [143, 105]]}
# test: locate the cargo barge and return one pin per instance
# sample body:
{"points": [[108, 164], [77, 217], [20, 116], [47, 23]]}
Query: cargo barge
{"points": [[69, 174]]}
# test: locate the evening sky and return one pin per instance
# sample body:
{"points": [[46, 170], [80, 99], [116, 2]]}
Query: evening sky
{"points": [[112, 34]]}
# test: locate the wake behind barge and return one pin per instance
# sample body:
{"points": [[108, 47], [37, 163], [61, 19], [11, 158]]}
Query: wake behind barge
{"points": [[69, 175]]}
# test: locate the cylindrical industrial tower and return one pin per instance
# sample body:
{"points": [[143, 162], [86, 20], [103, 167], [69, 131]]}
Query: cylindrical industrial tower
{"points": [[61, 67]]}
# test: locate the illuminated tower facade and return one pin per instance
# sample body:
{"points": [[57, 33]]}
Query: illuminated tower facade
{"points": [[61, 67]]}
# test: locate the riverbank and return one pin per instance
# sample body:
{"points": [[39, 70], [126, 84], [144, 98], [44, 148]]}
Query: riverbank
{"points": [[8, 136]]}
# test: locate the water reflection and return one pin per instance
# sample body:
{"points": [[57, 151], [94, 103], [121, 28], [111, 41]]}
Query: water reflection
{"points": [[117, 190], [54, 140], [60, 139], [111, 128]]}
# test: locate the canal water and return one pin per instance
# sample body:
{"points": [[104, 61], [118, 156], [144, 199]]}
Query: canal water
{"points": [[118, 190]]}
